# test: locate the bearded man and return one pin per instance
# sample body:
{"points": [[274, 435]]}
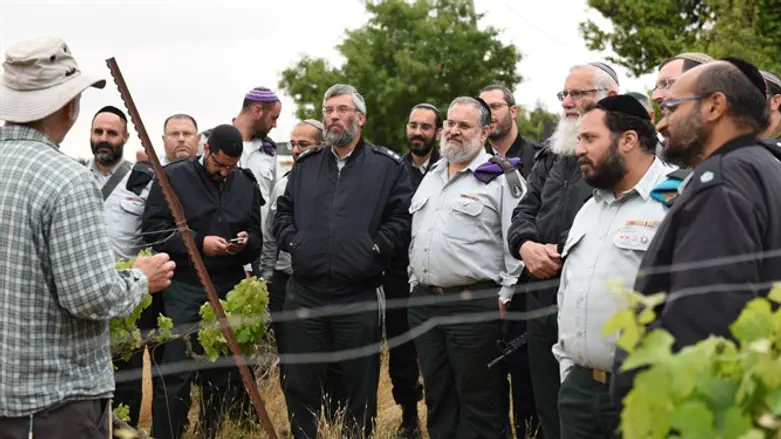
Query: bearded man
{"points": [[460, 216], [343, 215], [540, 225]]}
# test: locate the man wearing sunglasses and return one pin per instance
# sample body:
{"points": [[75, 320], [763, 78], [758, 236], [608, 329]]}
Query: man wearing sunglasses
{"points": [[721, 231], [221, 202]]}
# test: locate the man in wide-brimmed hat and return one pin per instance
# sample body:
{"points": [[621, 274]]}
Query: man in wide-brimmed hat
{"points": [[58, 287]]}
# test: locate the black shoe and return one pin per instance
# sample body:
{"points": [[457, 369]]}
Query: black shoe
{"points": [[410, 428]]}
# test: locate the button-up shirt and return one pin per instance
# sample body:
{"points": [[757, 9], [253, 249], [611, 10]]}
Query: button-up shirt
{"points": [[459, 229], [605, 245], [272, 258], [122, 211], [58, 287], [263, 166]]}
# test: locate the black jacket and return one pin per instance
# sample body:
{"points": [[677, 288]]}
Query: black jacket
{"points": [[524, 150], [210, 208], [414, 173], [555, 193], [340, 228], [716, 249]]}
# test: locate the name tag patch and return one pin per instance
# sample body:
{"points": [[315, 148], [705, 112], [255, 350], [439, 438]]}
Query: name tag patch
{"points": [[635, 235]]}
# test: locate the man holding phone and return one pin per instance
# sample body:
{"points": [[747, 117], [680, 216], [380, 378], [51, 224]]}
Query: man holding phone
{"points": [[221, 203]]}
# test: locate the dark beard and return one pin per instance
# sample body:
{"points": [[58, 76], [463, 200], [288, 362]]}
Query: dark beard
{"points": [[422, 150], [683, 150], [608, 173], [503, 128], [104, 158]]}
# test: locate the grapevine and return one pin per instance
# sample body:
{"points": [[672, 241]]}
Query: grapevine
{"points": [[125, 337], [715, 389], [246, 309]]}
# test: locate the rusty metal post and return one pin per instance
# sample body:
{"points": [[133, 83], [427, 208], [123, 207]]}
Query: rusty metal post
{"points": [[192, 250]]}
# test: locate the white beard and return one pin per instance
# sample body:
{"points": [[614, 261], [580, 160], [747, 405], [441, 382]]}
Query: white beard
{"points": [[455, 153], [564, 140]]}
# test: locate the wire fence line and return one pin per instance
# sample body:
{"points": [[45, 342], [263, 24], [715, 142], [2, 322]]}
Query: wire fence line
{"points": [[268, 358]]}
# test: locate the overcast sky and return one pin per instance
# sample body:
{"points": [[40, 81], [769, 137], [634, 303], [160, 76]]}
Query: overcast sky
{"points": [[201, 57]]}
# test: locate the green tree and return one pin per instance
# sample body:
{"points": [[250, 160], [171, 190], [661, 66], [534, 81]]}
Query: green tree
{"points": [[407, 53], [536, 124], [645, 32]]}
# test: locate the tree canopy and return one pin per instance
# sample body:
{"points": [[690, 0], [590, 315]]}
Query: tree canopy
{"points": [[408, 52], [645, 32]]}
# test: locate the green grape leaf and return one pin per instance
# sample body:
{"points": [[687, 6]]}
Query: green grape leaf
{"points": [[655, 348], [775, 293], [123, 412], [755, 322], [734, 423], [773, 401], [692, 419]]}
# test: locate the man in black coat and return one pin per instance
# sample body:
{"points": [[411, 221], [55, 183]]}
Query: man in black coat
{"points": [[723, 229], [220, 202], [344, 213]]}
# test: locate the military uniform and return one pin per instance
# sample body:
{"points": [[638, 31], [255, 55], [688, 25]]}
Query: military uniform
{"points": [[605, 244], [459, 236], [714, 235], [122, 211]]}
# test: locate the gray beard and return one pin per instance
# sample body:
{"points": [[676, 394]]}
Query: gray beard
{"points": [[564, 140], [342, 138], [453, 153]]}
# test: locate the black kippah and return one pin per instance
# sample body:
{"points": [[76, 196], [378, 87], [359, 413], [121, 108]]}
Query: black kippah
{"points": [[113, 110], [225, 137], [624, 104], [751, 72], [483, 103]]}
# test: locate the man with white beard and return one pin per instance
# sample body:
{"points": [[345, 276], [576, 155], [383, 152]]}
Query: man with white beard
{"points": [[540, 225], [460, 216]]}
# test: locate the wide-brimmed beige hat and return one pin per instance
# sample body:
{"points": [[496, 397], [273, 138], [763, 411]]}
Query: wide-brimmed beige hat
{"points": [[39, 77]]}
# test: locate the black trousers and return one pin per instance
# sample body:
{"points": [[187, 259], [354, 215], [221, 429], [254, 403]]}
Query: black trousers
{"points": [[585, 407], [89, 419], [221, 387], [543, 333], [519, 385], [403, 359], [305, 382], [463, 396], [333, 382]]}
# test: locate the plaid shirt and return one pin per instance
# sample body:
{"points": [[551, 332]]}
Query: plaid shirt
{"points": [[58, 284]]}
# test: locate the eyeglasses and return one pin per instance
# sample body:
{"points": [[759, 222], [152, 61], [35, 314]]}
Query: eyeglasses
{"points": [[668, 105], [412, 126], [185, 134], [462, 126], [576, 95], [222, 165], [342, 109], [301, 144], [664, 84], [497, 105]]}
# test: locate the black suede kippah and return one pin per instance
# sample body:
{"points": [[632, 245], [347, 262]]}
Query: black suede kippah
{"points": [[483, 103], [113, 110], [751, 72], [225, 137], [624, 104]]}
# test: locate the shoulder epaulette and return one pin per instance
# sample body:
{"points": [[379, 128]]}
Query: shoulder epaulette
{"points": [[140, 176], [772, 145], [386, 152], [497, 166], [667, 191], [248, 172]]}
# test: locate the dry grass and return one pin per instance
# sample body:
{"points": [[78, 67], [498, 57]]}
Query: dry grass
{"points": [[388, 413]]}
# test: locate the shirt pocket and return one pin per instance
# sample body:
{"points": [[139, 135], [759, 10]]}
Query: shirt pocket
{"points": [[573, 239], [635, 238], [468, 207], [132, 206]]}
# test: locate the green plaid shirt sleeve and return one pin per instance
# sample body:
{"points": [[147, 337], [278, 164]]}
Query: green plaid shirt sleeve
{"points": [[58, 285]]}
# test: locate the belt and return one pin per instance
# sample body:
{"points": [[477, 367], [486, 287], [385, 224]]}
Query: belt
{"points": [[486, 284]]}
